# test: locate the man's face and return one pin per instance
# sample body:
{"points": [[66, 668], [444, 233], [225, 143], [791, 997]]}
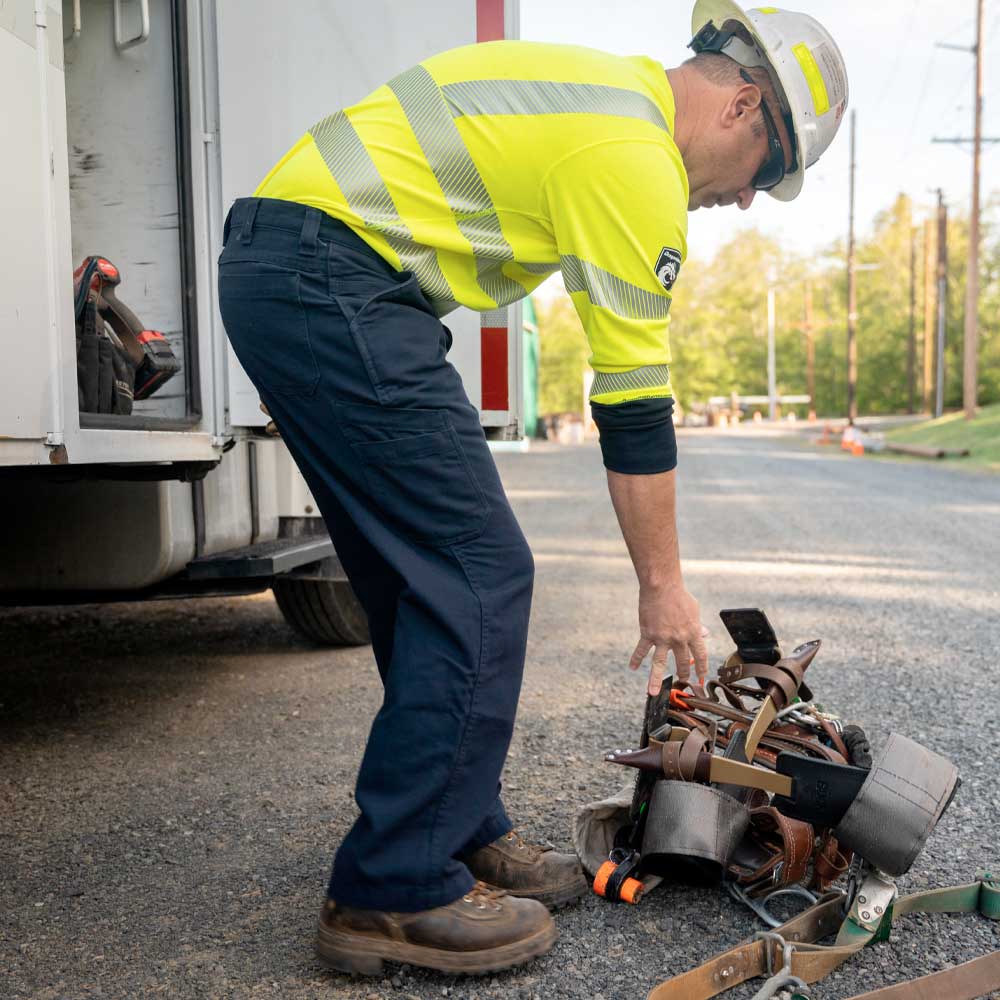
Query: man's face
{"points": [[732, 152]]}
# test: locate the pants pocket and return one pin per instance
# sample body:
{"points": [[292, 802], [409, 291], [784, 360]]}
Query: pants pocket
{"points": [[415, 470], [268, 327], [401, 341]]}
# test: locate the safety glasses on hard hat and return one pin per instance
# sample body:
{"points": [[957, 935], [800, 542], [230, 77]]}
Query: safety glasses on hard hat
{"points": [[772, 173]]}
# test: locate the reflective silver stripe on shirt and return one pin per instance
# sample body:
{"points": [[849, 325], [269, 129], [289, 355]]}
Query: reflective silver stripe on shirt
{"points": [[367, 196], [608, 290], [549, 97], [439, 139], [539, 268], [650, 377], [495, 317]]}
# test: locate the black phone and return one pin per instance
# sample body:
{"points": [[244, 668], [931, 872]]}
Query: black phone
{"points": [[752, 632]]}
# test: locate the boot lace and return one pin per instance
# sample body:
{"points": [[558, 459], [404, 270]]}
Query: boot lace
{"points": [[534, 851], [485, 896]]}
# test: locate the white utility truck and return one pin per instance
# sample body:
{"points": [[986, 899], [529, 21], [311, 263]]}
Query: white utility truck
{"points": [[128, 128]]}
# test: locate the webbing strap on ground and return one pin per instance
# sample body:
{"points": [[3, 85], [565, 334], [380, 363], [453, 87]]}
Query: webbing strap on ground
{"points": [[812, 962]]}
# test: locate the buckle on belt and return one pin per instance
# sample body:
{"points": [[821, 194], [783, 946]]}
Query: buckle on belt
{"points": [[781, 984], [871, 906]]}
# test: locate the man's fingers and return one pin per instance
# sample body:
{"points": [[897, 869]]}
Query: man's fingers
{"points": [[682, 661], [657, 670], [642, 648], [686, 655], [699, 651]]}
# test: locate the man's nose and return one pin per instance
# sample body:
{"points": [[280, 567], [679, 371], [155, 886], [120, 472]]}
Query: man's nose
{"points": [[745, 197]]}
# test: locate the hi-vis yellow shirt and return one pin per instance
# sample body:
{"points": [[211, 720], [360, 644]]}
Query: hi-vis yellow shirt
{"points": [[486, 168]]}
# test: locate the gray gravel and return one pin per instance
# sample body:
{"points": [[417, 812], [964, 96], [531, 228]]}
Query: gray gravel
{"points": [[175, 776]]}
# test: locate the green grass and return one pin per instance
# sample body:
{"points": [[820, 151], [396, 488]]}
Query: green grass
{"points": [[981, 435]]}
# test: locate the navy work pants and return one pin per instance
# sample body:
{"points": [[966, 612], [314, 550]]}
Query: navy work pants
{"points": [[350, 359]]}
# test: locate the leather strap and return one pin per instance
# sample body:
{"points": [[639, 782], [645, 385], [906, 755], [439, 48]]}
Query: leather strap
{"points": [[836, 739], [812, 962], [750, 959], [831, 861], [776, 741], [687, 760], [786, 843]]}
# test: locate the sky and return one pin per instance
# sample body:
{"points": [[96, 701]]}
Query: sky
{"points": [[905, 91]]}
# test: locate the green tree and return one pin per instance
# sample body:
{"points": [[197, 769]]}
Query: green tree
{"points": [[563, 354], [718, 325]]}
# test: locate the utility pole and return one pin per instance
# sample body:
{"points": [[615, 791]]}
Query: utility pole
{"points": [[929, 309], [852, 302], [772, 378], [970, 368], [807, 325], [942, 298], [911, 353]]}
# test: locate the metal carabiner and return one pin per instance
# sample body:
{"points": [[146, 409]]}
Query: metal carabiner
{"points": [[795, 708], [780, 987]]}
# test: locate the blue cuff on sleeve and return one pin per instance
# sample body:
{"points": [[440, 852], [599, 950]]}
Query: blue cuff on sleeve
{"points": [[637, 437]]}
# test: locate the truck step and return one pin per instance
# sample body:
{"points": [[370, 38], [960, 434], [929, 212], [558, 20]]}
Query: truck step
{"points": [[261, 560]]}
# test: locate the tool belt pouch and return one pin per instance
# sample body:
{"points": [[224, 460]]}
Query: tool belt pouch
{"points": [[776, 851], [902, 800], [104, 371], [688, 820]]}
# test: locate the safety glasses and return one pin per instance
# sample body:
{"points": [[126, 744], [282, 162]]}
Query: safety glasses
{"points": [[772, 172]]}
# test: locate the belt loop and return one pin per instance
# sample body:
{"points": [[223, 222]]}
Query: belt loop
{"points": [[246, 233], [310, 230]]}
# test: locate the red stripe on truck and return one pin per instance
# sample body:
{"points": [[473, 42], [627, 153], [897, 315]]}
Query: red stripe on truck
{"points": [[489, 20], [493, 339], [493, 357]]}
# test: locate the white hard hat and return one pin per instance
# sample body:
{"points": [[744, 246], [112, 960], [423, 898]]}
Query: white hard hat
{"points": [[804, 63]]}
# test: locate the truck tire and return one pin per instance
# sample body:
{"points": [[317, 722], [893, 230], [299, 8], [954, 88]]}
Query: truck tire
{"points": [[325, 611]]}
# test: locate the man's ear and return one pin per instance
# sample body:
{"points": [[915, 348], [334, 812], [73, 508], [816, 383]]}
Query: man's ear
{"points": [[742, 105]]}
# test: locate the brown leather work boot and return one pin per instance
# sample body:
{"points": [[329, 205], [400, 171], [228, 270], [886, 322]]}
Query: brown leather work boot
{"points": [[484, 931], [528, 870]]}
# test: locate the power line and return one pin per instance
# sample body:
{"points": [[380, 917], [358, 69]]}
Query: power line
{"points": [[920, 102], [884, 92], [962, 86]]}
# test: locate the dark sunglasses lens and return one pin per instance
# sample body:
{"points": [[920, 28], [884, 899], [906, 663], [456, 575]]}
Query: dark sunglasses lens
{"points": [[771, 174]]}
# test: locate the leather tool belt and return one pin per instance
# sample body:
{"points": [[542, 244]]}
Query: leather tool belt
{"points": [[749, 782]]}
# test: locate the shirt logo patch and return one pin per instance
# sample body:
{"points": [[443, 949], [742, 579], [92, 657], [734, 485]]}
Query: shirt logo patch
{"points": [[668, 264]]}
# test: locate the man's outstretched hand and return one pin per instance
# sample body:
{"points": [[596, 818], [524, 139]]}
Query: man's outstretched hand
{"points": [[670, 621]]}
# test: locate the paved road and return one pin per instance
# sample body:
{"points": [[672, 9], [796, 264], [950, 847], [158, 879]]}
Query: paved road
{"points": [[174, 778]]}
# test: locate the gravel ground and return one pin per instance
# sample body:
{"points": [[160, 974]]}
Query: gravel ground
{"points": [[175, 777]]}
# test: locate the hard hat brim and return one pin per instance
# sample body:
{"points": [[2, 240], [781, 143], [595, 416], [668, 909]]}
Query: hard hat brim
{"points": [[720, 11]]}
